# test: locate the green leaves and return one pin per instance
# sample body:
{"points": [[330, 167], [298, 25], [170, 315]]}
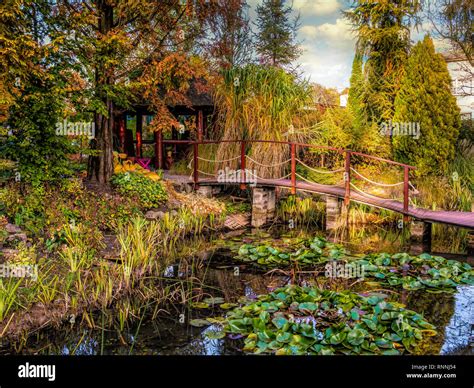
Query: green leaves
{"points": [[275, 323]]}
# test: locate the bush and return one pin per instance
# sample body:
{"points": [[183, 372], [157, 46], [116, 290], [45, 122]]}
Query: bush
{"points": [[150, 194]]}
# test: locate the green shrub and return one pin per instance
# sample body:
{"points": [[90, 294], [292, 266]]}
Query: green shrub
{"points": [[150, 194]]}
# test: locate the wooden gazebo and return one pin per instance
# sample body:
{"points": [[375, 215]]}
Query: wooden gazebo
{"points": [[131, 135]]}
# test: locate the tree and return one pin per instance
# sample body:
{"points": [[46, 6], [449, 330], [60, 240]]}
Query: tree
{"points": [[425, 98], [276, 38], [355, 100], [124, 50], [384, 40], [229, 41], [452, 22]]}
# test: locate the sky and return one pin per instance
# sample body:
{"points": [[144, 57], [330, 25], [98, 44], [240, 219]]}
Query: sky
{"points": [[327, 40]]}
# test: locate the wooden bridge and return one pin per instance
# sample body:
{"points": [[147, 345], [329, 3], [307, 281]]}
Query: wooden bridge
{"points": [[294, 181]]}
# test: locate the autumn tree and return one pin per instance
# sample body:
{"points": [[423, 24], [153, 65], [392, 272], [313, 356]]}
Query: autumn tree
{"points": [[121, 50], [276, 37], [229, 37]]}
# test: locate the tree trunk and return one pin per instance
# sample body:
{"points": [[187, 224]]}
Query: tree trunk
{"points": [[100, 167]]}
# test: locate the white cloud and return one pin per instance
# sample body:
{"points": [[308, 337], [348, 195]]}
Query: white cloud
{"points": [[316, 7], [337, 34]]}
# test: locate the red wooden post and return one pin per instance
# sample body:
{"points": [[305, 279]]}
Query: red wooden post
{"points": [[159, 149], [405, 193], [122, 133], [139, 135], [139, 145], [196, 167], [347, 178], [293, 168], [200, 125], [243, 186]]}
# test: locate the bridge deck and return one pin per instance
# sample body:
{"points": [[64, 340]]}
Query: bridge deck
{"points": [[462, 219]]}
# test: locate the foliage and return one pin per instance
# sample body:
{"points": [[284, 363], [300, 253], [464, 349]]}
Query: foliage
{"points": [[263, 103], [433, 273], [276, 33], [41, 155], [308, 253], [230, 43], [149, 193], [383, 39], [425, 98], [303, 320]]}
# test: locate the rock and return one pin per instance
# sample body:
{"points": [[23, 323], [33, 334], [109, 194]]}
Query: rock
{"points": [[10, 228], [174, 213], [17, 236], [152, 215]]}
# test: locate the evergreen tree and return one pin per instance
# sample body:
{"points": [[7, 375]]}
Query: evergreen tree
{"points": [[354, 102], [384, 40], [425, 97], [276, 42]]}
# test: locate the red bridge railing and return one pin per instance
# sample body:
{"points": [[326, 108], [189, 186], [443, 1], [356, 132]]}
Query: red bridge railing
{"points": [[348, 163]]}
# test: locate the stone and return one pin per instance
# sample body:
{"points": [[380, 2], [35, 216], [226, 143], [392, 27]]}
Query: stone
{"points": [[205, 191], [152, 215], [10, 228], [263, 205], [17, 236]]}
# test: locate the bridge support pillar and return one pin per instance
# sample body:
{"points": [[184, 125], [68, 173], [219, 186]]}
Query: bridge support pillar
{"points": [[420, 236], [336, 212], [470, 244], [208, 191], [263, 205]]}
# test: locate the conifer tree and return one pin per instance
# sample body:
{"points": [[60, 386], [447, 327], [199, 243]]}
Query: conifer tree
{"points": [[425, 97], [275, 41], [382, 29]]}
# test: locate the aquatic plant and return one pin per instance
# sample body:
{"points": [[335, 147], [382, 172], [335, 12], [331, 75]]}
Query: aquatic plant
{"points": [[304, 320], [433, 273], [309, 252]]}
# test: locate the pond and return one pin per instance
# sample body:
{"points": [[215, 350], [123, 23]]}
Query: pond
{"points": [[223, 281]]}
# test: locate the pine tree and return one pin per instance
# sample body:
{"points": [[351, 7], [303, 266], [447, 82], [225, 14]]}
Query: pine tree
{"points": [[276, 42], [425, 97]]}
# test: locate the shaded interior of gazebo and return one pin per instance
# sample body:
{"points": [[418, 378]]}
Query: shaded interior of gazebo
{"points": [[134, 137]]}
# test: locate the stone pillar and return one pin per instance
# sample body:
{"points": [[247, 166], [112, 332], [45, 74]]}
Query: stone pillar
{"points": [[263, 205], [335, 212], [420, 237], [205, 191], [470, 244]]}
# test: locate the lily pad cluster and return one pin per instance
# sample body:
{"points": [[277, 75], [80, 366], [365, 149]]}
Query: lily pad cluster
{"points": [[309, 252], [433, 273], [296, 320]]}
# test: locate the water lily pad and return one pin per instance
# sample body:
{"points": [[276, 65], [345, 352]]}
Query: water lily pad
{"points": [[199, 322]]}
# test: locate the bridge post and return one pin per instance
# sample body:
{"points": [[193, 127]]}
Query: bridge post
{"points": [[243, 186], [347, 178], [335, 209], [420, 236], [405, 193], [293, 168], [196, 167], [470, 244], [263, 205]]}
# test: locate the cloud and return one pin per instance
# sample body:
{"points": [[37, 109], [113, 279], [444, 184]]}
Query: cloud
{"points": [[338, 34], [316, 7]]}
